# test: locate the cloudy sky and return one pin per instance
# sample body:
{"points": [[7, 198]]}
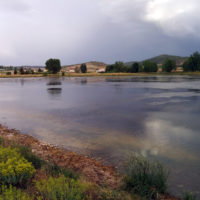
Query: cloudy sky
{"points": [[103, 30]]}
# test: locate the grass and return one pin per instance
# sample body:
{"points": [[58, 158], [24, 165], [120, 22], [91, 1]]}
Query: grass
{"points": [[93, 74], [145, 178], [54, 170], [61, 188], [189, 196]]}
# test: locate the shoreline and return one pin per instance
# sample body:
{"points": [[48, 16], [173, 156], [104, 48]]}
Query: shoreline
{"points": [[92, 170], [102, 75]]}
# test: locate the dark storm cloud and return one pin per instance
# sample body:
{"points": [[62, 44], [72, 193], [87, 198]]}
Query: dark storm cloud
{"points": [[78, 31]]}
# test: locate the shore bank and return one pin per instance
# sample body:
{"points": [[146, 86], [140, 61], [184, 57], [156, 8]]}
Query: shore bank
{"points": [[99, 74], [92, 170]]}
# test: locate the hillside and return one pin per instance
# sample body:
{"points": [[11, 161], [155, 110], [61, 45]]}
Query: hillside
{"points": [[160, 59], [91, 66]]}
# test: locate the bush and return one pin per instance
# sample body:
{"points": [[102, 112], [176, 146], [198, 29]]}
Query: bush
{"points": [[55, 171], [14, 169], [188, 196], [63, 73], [8, 73], [110, 195], [145, 178], [11, 193], [29, 156], [61, 189]]}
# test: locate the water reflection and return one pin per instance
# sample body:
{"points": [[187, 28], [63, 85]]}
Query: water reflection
{"points": [[55, 92], [111, 117]]}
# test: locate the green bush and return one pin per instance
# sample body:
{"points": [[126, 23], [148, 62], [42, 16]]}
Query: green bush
{"points": [[145, 178], [61, 189], [14, 169], [188, 196], [110, 195], [11, 193], [8, 73], [26, 152], [54, 170]]}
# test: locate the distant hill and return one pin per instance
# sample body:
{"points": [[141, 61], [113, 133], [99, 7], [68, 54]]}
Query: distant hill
{"points": [[160, 59], [91, 66]]}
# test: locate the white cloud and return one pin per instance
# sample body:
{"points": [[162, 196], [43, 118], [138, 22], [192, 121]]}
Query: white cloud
{"points": [[175, 18], [180, 17]]}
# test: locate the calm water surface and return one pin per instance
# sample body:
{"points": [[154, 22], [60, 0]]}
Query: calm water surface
{"points": [[109, 118]]}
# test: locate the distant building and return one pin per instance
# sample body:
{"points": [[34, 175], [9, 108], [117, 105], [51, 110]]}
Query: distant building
{"points": [[102, 70]]}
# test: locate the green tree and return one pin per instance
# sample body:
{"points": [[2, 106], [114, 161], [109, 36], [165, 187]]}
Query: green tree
{"points": [[169, 65], [193, 63], [40, 70], [150, 66], [117, 67], [15, 70], [134, 68], [83, 68], [53, 65], [21, 70]]}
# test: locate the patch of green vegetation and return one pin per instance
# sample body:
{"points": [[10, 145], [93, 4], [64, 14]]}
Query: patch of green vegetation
{"points": [[11, 193], [14, 169], [26, 152], [61, 188], [145, 178], [54, 170], [189, 196]]}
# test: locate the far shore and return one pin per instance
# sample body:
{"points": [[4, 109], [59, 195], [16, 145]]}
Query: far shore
{"points": [[99, 74]]}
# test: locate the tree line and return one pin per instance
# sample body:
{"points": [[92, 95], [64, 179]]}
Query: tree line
{"points": [[146, 66], [192, 64]]}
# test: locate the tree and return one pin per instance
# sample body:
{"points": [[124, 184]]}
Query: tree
{"points": [[150, 66], [15, 70], [40, 70], [193, 63], [83, 68], [53, 65], [21, 70], [117, 67], [169, 65], [134, 68]]}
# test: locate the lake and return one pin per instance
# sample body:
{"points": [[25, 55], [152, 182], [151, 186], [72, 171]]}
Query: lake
{"points": [[111, 117]]}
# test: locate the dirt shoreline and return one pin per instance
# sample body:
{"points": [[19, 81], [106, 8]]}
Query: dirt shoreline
{"points": [[93, 171]]}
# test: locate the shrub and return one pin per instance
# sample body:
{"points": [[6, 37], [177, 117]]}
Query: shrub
{"points": [[61, 189], [1, 141], [55, 171], [145, 178], [11, 193], [14, 169], [63, 73], [8, 73], [188, 196], [110, 195], [26, 152]]}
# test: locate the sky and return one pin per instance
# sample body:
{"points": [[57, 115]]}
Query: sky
{"points": [[77, 31]]}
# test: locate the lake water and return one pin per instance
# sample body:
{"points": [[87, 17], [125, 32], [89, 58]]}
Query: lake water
{"points": [[108, 118]]}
